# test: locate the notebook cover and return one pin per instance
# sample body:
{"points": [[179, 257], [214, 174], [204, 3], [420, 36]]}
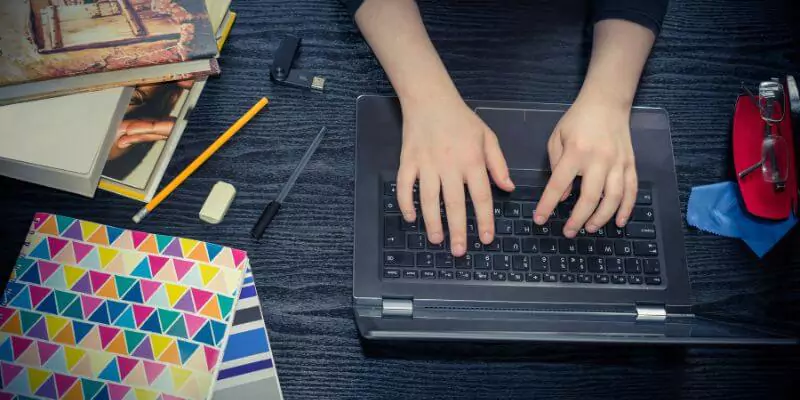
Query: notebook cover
{"points": [[98, 312], [41, 41], [248, 369]]}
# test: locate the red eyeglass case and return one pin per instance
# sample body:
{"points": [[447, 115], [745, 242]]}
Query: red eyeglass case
{"points": [[759, 196]]}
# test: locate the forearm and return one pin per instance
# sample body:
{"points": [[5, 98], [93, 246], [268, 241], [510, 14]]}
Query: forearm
{"points": [[619, 52], [394, 30]]}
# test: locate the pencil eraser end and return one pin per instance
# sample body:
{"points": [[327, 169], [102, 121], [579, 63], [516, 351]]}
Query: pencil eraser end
{"points": [[217, 202]]}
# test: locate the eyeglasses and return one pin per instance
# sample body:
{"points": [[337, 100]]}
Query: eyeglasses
{"points": [[774, 163]]}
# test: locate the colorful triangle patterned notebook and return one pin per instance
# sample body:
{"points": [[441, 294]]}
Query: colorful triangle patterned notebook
{"points": [[97, 312]]}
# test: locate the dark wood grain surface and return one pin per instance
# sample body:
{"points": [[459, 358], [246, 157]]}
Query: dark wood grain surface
{"points": [[495, 50]]}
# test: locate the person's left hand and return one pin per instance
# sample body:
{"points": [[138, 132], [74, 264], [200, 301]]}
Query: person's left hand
{"points": [[133, 131], [591, 140]]}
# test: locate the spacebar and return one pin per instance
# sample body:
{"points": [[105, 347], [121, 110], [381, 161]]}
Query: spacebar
{"points": [[526, 193]]}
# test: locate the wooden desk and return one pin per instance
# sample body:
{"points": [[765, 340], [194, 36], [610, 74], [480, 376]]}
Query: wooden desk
{"points": [[303, 265]]}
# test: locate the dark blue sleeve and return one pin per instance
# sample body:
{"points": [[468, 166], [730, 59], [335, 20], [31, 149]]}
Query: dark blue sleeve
{"points": [[648, 13]]}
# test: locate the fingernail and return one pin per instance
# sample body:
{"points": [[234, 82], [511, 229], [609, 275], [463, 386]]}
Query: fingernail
{"points": [[458, 249], [508, 182], [569, 232], [539, 220], [591, 228], [123, 145], [622, 222], [435, 237], [487, 236]]}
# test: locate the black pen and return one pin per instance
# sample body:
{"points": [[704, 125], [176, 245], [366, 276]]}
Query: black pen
{"points": [[271, 210]]}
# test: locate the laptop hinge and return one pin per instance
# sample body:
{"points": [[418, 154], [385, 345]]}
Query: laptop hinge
{"points": [[650, 312], [397, 308]]}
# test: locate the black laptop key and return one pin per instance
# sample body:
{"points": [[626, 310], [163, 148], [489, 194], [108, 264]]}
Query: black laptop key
{"points": [[601, 232], [515, 277], [605, 247], [496, 245], [563, 210], [432, 246], [644, 197], [390, 189], [447, 275], [474, 243], [549, 246], [633, 266], [550, 277], [463, 275], [651, 267], [585, 246], [520, 263], [398, 259], [410, 274], [558, 264], [595, 264], [444, 260], [511, 245], [390, 205], [613, 231], [635, 279], [567, 246], [503, 226], [540, 263], [425, 260], [645, 249], [483, 261], [526, 193], [415, 241], [470, 209], [637, 230], [530, 245], [480, 276], [584, 278], [533, 277], [408, 226], [567, 278], [618, 279], [557, 228], [600, 278], [523, 227], [394, 240], [527, 210], [464, 262], [541, 230], [576, 264], [652, 280], [622, 248], [472, 227], [582, 232], [391, 273], [512, 210], [642, 214], [499, 276], [502, 262], [615, 265], [498, 209], [427, 274]]}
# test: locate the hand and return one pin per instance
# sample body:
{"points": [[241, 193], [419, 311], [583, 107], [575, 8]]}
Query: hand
{"points": [[446, 145], [132, 131], [592, 140]]}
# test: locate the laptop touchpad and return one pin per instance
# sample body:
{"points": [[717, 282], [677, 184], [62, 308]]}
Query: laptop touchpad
{"points": [[523, 134]]}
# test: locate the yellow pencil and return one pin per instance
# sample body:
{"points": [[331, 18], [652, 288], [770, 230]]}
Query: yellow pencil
{"points": [[189, 170]]}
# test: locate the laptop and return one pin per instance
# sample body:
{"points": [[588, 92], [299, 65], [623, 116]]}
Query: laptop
{"points": [[626, 285]]}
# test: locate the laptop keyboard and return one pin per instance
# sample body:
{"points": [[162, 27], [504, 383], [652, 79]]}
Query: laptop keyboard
{"points": [[522, 252]]}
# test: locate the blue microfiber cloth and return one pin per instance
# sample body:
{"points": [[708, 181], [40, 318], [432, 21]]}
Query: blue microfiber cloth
{"points": [[716, 209]]}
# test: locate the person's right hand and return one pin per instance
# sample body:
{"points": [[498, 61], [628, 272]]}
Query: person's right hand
{"points": [[445, 145]]}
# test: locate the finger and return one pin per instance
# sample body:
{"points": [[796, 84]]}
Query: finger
{"points": [[612, 197], [453, 193], [429, 188], [591, 191], [406, 176], [554, 150], [481, 194], [629, 196], [560, 180], [142, 127], [128, 140], [496, 163]]}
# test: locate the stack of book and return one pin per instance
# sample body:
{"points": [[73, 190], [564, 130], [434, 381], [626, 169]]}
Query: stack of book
{"points": [[97, 93]]}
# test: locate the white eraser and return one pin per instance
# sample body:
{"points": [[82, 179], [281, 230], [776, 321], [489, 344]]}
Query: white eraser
{"points": [[218, 202]]}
